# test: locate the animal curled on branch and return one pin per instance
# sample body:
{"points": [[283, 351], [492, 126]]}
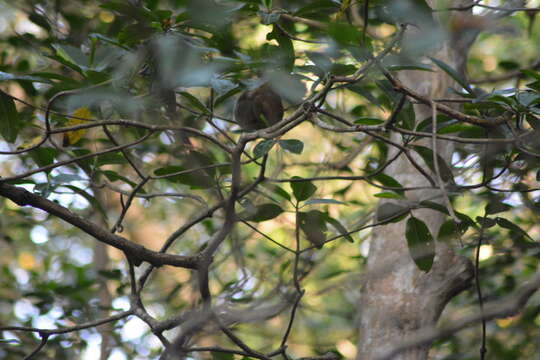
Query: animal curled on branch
{"points": [[258, 108]]}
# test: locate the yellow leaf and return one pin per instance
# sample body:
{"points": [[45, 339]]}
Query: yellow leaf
{"points": [[71, 137], [30, 143], [27, 261]]}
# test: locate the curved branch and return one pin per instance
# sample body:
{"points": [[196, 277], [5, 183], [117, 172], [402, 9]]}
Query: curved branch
{"points": [[137, 253]]}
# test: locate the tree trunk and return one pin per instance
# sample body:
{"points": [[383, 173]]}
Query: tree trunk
{"points": [[397, 297]]}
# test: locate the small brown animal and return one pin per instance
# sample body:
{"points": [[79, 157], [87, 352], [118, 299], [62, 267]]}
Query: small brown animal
{"points": [[258, 109]]}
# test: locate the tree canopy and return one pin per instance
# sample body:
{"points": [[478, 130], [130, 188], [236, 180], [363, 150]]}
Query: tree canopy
{"points": [[138, 220]]}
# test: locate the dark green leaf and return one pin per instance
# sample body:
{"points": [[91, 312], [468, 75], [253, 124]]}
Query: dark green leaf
{"points": [[427, 156], [262, 212], [485, 222], [321, 60], [110, 158], [114, 176], [390, 211], [419, 67], [194, 101], [226, 96], [507, 224], [435, 206], [453, 128], [197, 179], [420, 243], [389, 182], [453, 74], [407, 116], [216, 355], [302, 190], [10, 122], [292, 145], [496, 206], [448, 231], [43, 156], [281, 192], [340, 228], [39, 20], [111, 274], [324, 201], [344, 34], [368, 121], [263, 148], [313, 224]]}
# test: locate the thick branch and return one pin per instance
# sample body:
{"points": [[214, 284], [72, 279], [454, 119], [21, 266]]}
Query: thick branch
{"points": [[134, 251]]}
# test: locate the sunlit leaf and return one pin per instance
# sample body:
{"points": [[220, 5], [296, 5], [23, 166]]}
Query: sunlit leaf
{"points": [[72, 137]]}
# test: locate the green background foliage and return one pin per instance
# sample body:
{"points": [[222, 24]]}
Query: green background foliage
{"points": [[302, 223]]}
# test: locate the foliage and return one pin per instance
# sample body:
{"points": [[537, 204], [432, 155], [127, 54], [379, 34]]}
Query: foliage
{"points": [[97, 99]]}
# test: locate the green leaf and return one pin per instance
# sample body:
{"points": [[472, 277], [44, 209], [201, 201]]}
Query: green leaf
{"points": [[7, 77], [324, 201], [391, 212], [388, 195], [114, 274], [453, 128], [419, 67], [227, 95], [263, 147], [485, 222], [507, 224], [197, 179], [281, 192], [496, 206], [407, 116], [39, 20], [10, 121], [434, 206], [368, 121], [388, 181], [262, 212], [448, 230], [194, 101], [110, 158], [344, 34], [114, 176], [321, 60], [292, 145], [43, 156], [531, 73], [427, 156], [420, 243], [340, 228], [453, 74], [221, 356], [302, 190], [286, 46], [313, 224], [96, 205]]}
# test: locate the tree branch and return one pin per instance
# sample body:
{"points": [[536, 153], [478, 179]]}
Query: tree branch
{"points": [[134, 251]]}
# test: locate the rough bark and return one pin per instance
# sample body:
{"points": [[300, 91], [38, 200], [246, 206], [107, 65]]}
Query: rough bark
{"points": [[398, 298]]}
